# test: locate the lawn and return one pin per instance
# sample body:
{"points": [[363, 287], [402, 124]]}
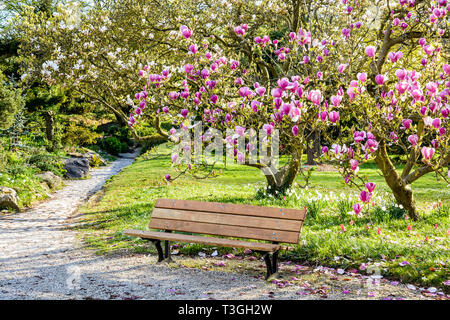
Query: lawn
{"points": [[384, 239]]}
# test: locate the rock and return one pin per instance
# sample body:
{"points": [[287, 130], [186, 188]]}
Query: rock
{"points": [[9, 199], [94, 158], [76, 168], [51, 179], [75, 154]]}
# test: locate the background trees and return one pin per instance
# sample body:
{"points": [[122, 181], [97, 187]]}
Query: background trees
{"points": [[11, 102]]}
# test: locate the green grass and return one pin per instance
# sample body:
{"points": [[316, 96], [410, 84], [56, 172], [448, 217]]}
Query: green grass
{"points": [[128, 199]]}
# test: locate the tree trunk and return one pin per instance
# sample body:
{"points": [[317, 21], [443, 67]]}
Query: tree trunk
{"points": [[401, 191], [49, 128], [313, 151], [283, 179]]}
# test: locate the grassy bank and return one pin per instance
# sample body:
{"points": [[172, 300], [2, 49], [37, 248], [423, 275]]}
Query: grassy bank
{"points": [[401, 249]]}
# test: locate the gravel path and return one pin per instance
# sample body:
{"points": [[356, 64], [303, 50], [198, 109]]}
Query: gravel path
{"points": [[41, 259]]}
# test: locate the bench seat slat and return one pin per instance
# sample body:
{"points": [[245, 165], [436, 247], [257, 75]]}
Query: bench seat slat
{"points": [[258, 246], [227, 219], [225, 230], [231, 208]]}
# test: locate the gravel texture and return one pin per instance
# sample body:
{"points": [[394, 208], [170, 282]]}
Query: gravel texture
{"points": [[40, 258]]}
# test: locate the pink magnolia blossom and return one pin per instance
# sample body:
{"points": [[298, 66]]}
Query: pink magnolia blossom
{"points": [[131, 120], [357, 208], [333, 116], [346, 32], [244, 91], [427, 153], [354, 164], [370, 51], [395, 56], [234, 64], [184, 113], [413, 139], [193, 48], [268, 128], [370, 186], [362, 77], [324, 115], [342, 67], [336, 100], [260, 91], [239, 30], [315, 96], [188, 68], [277, 92], [446, 68], [254, 105], [173, 95], [436, 123], [406, 124], [359, 136], [380, 79], [400, 74], [185, 31], [365, 196]]}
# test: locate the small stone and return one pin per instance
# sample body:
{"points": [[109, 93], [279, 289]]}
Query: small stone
{"points": [[9, 199]]}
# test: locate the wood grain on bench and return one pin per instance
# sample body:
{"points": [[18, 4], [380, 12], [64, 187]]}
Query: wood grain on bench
{"points": [[228, 220]]}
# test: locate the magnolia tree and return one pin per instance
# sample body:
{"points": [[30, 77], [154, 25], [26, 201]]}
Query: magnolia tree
{"points": [[406, 107], [95, 48], [215, 89], [243, 78], [300, 81]]}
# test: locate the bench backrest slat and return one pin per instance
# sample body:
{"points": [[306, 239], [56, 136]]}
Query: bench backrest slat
{"points": [[231, 208], [232, 220]]}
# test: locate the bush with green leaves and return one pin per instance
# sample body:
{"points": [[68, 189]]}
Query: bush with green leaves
{"points": [[112, 145], [47, 162], [11, 102], [79, 135]]}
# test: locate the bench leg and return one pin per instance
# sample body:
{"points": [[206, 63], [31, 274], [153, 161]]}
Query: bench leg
{"points": [[159, 249], [275, 262], [271, 264], [167, 255], [268, 265]]}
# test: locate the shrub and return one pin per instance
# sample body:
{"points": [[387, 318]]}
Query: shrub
{"points": [[76, 135], [111, 145], [16, 170], [95, 161], [47, 162]]}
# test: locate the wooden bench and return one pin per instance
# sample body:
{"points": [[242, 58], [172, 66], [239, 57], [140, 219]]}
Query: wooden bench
{"points": [[273, 225]]}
